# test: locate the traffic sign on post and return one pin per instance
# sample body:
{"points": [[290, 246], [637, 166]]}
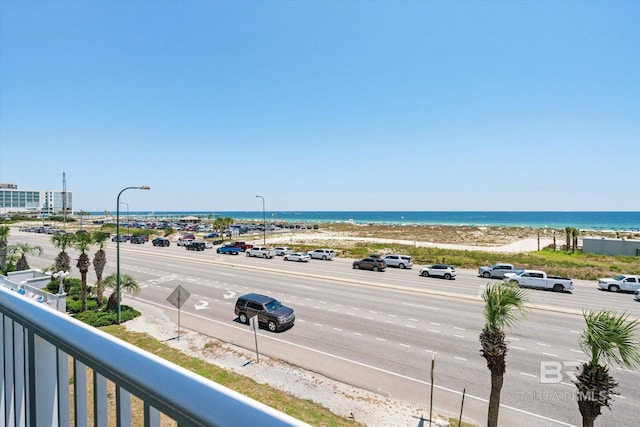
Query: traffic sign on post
{"points": [[178, 297], [255, 326]]}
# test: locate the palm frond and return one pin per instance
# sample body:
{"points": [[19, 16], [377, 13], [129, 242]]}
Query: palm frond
{"points": [[504, 305], [611, 337]]}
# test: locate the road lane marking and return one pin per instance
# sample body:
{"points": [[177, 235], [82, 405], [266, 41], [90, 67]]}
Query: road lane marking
{"points": [[337, 329], [434, 331], [575, 351], [459, 329], [543, 344], [528, 375], [413, 320], [460, 358], [381, 339], [390, 321], [459, 336], [517, 348], [318, 324], [421, 306], [434, 323], [550, 354], [355, 362], [411, 326], [405, 345]]}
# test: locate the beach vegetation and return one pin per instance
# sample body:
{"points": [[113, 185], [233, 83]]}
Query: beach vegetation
{"points": [[556, 263]]}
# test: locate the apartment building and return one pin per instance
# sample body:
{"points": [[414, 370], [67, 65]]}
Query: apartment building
{"points": [[47, 202]]}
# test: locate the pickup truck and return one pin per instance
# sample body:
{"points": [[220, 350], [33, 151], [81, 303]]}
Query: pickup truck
{"points": [[622, 283], [261, 251], [229, 250], [539, 279], [242, 245], [497, 270]]}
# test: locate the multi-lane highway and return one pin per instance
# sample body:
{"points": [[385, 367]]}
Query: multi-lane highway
{"points": [[380, 331]]}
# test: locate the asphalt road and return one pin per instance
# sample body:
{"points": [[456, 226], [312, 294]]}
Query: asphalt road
{"points": [[381, 330]]}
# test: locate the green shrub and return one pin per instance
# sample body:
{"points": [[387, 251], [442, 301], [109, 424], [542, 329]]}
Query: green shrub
{"points": [[75, 305], [106, 318]]}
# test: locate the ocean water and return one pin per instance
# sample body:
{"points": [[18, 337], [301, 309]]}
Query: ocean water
{"points": [[619, 220]]}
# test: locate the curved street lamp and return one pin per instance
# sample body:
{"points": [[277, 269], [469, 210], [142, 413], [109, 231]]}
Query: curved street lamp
{"points": [[264, 222], [144, 187], [128, 219]]}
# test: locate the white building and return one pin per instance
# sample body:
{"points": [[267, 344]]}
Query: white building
{"points": [[46, 202]]}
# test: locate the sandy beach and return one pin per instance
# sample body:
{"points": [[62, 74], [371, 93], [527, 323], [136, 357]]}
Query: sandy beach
{"points": [[489, 239]]}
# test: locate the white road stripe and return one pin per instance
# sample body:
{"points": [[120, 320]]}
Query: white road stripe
{"points": [[528, 375], [460, 358]]}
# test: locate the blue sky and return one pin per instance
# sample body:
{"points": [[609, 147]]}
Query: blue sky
{"points": [[324, 105]]}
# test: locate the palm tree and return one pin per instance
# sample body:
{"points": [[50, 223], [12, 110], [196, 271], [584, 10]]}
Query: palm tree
{"points": [[608, 338], [82, 242], [4, 237], [568, 231], [502, 304], [21, 250], [574, 235], [127, 283], [62, 242], [99, 262]]}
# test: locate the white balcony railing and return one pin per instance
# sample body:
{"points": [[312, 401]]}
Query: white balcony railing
{"points": [[40, 346]]}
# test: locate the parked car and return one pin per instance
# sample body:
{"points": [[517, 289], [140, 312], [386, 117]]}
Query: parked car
{"points": [[399, 261], [270, 311], [212, 235], [123, 238], [208, 245], [370, 264], [497, 270], [282, 250], [195, 246], [623, 282], [184, 242], [445, 271], [188, 236], [323, 254], [229, 250], [137, 240], [161, 241], [539, 279], [297, 256]]}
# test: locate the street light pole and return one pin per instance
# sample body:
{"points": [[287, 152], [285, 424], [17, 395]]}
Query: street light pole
{"points": [[128, 219], [264, 222], [144, 187]]}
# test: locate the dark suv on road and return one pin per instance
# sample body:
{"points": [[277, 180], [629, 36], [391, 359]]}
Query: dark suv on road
{"points": [[161, 241], [138, 239], [196, 246], [270, 311]]}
